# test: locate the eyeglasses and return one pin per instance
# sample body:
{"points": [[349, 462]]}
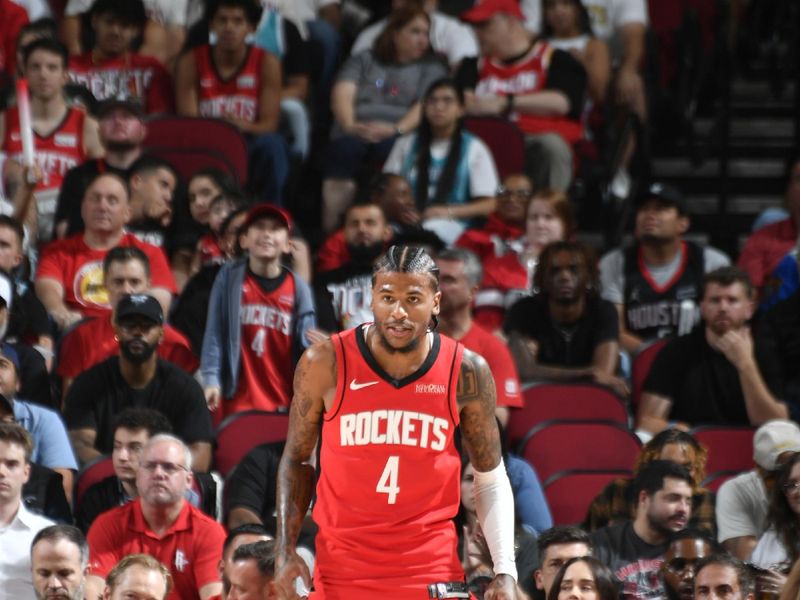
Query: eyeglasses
{"points": [[518, 193], [792, 487], [168, 467]]}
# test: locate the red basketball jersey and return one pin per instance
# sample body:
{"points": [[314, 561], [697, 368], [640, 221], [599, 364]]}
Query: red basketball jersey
{"points": [[265, 375], [238, 95], [390, 476], [56, 153], [525, 76]]}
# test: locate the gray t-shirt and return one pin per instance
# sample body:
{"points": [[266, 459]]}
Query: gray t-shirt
{"points": [[385, 92], [741, 508]]}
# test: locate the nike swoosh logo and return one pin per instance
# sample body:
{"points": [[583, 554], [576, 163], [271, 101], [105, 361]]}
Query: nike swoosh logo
{"points": [[357, 386]]}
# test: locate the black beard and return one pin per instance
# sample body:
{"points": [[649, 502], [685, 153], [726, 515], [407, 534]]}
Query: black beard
{"points": [[365, 253], [120, 146], [137, 358]]}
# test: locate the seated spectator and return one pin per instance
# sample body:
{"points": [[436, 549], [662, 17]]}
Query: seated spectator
{"points": [[152, 182], [18, 526], [51, 446], [450, 38], [742, 502], [139, 575], [686, 548], [710, 376], [253, 571], [69, 279], [565, 332], [132, 428], [161, 512], [566, 25], [634, 549], [136, 378], [237, 536], [777, 337], [777, 548], [66, 135], [505, 226], [523, 79], [556, 546], [508, 276], [126, 270], [122, 131], [617, 503], [656, 283], [209, 248], [112, 69], [459, 276], [190, 310], [241, 84], [44, 495], [59, 561], [12, 19], [343, 296], [581, 574], [767, 247], [258, 316], [368, 116], [451, 171], [724, 572]]}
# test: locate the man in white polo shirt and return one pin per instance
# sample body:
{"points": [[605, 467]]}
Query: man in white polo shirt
{"points": [[17, 526]]}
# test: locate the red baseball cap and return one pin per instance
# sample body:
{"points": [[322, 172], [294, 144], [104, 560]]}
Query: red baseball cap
{"points": [[486, 9], [261, 211]]}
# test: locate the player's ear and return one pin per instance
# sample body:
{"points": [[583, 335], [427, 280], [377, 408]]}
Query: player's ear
{"points": [[437, 298]]}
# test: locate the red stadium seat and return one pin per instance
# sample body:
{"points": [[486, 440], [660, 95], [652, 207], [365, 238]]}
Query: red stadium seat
{"points": [[92, 473], [570, 493], [715, 480], [565, 402], [191, 143], [555, 446], [505, 141], [729, 448], [241, 432], [640, 369]]}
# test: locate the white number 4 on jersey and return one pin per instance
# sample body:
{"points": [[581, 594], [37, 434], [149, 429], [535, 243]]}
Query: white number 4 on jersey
{"points": [[387, 484]]}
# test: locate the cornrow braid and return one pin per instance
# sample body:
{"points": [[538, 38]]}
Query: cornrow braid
{"points": [[408, 259]]}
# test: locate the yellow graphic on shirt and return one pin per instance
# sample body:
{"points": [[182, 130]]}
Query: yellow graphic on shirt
{"points": [[88, 285]]}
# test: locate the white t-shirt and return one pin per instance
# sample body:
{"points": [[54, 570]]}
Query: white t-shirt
{"points": [[769, 552], [449, 37], [165, 12], [741, 508], [15, 554], [483, 180]]}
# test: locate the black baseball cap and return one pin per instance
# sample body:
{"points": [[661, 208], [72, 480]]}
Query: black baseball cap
{"points": [[666, 195], [142, 305], [129, 104]]}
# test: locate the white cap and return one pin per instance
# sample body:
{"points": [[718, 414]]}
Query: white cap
{"points": [[6, 289], [772, 439]]}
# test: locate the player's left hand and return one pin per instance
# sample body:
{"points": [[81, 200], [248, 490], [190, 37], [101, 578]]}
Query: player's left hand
{"points": [[502, 587]]}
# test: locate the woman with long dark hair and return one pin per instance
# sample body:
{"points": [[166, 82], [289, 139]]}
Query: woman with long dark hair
{"points": [[451, 171], [584, 578], [779, 546]]}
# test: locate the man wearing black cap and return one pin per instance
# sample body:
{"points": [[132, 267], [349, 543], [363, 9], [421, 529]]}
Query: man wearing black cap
{"points": [[122, 131], [655, 284], [259, 314], [710, 375], [136, 378]]}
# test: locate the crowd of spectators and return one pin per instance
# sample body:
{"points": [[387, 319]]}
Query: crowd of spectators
{"points": [[141, 305]]}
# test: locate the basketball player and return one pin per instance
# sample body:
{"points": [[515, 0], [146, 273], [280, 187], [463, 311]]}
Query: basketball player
{"points": [[387, 398], [64, 135]]}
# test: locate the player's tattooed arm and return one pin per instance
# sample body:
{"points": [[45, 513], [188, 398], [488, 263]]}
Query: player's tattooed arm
{"points": [[476, 395]]}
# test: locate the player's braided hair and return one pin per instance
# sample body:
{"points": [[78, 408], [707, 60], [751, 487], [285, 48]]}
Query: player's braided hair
{"points": [[408, 259]]}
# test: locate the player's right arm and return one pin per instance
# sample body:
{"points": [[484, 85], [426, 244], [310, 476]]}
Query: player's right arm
{"points": [[314, 383]]}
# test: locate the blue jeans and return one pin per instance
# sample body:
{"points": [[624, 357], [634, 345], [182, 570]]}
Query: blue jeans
{"points": [[269, 166]]}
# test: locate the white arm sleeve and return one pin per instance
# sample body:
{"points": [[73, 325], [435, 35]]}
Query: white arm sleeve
{"points": [[494, 502]]}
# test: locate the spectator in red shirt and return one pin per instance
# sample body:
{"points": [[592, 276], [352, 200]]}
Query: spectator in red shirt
{"points": [[460, 275], [126, 270], [12, 18], [69, 281], [112, 70], [161, 523]]}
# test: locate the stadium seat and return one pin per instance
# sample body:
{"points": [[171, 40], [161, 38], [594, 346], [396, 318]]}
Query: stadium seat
{"points": [[570, 493], [640, 369], [555, 446], [241, 432], [92, 473], [505, 141], [565, 401], [190, 143], [715, 480], [729, 448]]}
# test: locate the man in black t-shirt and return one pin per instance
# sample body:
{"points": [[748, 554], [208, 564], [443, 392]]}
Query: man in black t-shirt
{"points": [[634, 549], [710, 376], [136, 378], [565, 332]]}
